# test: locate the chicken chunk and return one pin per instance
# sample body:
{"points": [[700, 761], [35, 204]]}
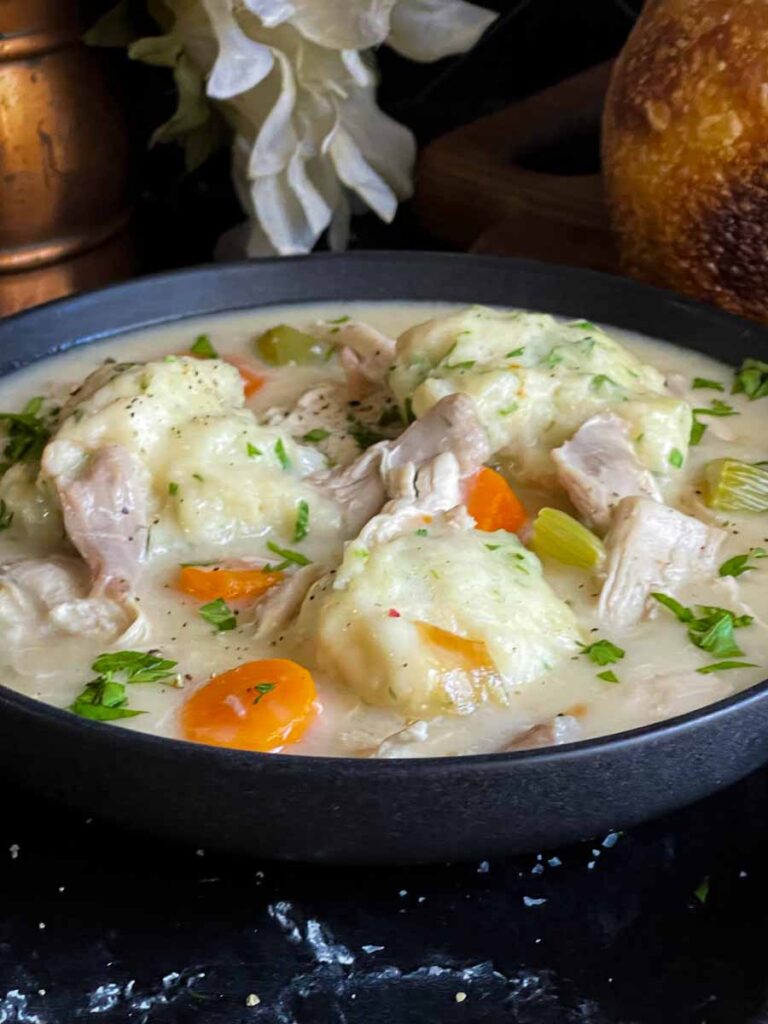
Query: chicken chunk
{"points": [[652, 547], [105, 501], [365, 353], [598, 467], [361, 488]]}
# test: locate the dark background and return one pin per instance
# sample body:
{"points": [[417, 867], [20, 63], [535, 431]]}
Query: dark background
{"points": [[102, 925]]}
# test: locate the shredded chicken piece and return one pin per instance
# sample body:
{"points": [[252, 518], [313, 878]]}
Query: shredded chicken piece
{"points": [[598, 467], [105, 501], [365, 353], [560, 729], [652, 547], [450, 426], [279, 605], [43, 598]]}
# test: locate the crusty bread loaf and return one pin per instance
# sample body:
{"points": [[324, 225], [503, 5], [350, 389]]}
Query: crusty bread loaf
{"points": [[685, 150]]}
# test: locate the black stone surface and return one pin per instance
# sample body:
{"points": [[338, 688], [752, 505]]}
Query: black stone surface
{"points": [[103, 925]]}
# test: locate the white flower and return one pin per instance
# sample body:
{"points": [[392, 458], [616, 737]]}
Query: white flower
{"points": [[296, 83]]}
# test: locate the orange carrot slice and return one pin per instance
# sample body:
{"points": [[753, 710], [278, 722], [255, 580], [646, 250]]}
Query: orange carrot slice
{"points": [[229, 584], [493, 504], [260, 705], [470, 655], [252, 381]]}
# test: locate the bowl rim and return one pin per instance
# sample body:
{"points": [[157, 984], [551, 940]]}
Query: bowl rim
{"points": [[49, 314]]}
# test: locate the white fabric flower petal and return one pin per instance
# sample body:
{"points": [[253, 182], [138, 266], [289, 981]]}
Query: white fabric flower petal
{"points": [[388, 146], [276, 141], [317, 211], [356, 173], [281, 215], [241, 62], [427, 30], [343, 24], [271, 12], [358, 69]]}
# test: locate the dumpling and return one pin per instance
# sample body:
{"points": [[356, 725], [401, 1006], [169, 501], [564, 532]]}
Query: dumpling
{"points": [[217, 477], [534, 381], [440, 619]]}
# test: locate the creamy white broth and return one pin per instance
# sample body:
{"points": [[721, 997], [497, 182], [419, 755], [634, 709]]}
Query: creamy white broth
{"points": [[657, 646]]}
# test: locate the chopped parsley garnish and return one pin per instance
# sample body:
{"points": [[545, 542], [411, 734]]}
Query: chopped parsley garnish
{"points": [[709, 628], [725, 666], [363, 435], [301, 529], [318, 434], [515, 352], [751, 379], [134, 666], [608, 676], [716, 408], [261, 690], [466, 365], [340, 320], [421, 532], [27, 434], [702, 382], [739, 564], [198, 476], [585, 325], [203, 349], [288, 555], [104, 699], [252, 450], [602, 652], [701, 892], [553, 358], [508, 409], [282, 454], [219, 614], [599, 380], [697, 431], [676, 458], [173, 488], [6, 516]]}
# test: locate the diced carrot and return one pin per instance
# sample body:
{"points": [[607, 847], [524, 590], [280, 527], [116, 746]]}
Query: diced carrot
{"points": [[493, 504], [229, 584], [470, 655], [252, 380], [260, 705]]}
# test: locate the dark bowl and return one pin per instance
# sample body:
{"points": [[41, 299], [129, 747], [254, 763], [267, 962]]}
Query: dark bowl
{"points": [[376, 811]]}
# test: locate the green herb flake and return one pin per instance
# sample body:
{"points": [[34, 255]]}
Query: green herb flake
{"points": [[363, 435], [295, 557], [698, 430], [282, 454], [252, 450], [701, 892], [313, 436], [493, 547], [104, 699], [600, 380], [173, 488], [6, 516], [27, 434], [261, 690], [301, 529], [339, 320], [421, 532], [709, 628], [219, 614], [508, 409], [739, 564], [712, 385], [203, 349], [608, 676], [515, 352], [751, 379], [584, 325], [676, 458], [135, 666], [602, 652], [715, 408], [198, 476], [724, 666], [466, 365]]}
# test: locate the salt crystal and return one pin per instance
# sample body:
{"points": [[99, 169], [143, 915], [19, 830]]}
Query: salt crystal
{"points": [[13, 849], [554, 862], [537, 869], [610, 840], [372, 949], [591, 865], [460, 997], [531, 901], [200, 853], [252, 999], [483, 867]]}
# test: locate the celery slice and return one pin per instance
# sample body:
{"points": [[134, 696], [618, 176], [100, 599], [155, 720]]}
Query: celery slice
{"points": [[561, 537], [733, 486], [283, 344]]}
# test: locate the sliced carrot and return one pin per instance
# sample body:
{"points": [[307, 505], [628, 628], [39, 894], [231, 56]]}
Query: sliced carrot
{"points": [[229, 584], [471, 655], [260, 705], [252, 381], [493, 504]]}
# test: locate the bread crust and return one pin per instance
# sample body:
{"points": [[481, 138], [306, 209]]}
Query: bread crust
{"points": [[685, 150]]}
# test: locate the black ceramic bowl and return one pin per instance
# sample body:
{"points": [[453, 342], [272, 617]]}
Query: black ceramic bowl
{"points": [[357, 811]]}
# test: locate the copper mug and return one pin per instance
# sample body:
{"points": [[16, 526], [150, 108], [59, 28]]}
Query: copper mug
{"points": [[64, 156]]}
